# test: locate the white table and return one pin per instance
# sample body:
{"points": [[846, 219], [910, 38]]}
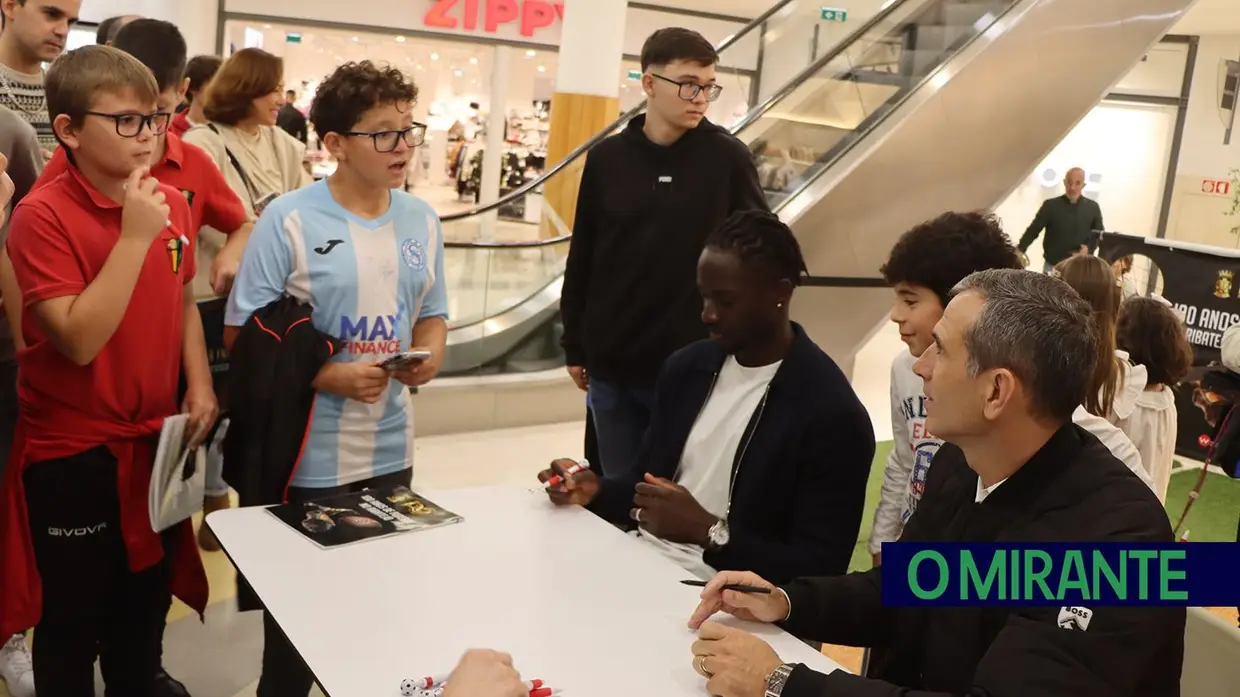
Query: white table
{"points": [[518, 575]]}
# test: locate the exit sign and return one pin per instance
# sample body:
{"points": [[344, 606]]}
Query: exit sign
{"points": [[292, 38], [635, 74], [1216, 187], [834, 14]]}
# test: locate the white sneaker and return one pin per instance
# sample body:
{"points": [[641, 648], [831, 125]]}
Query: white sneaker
{"points": [[16, 668]]}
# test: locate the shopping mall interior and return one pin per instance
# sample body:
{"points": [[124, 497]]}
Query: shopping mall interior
{"points": [[858, 133]]}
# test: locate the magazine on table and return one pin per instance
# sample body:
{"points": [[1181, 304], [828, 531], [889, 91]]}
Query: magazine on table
{"points": [[336, 521]]}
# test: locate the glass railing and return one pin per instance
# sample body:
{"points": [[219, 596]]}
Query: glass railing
{"points": [[800, 131], [503, 280]]}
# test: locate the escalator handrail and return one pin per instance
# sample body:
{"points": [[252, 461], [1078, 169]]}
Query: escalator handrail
{"points": [[865, 129], [598, 137], [532, 244]]}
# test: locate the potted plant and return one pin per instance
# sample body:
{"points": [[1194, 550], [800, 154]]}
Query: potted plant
{"points": [[1234, 177]]}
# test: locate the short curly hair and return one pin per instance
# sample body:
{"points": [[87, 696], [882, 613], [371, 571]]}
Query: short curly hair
{"points": [[354, 89], [939, 253]]}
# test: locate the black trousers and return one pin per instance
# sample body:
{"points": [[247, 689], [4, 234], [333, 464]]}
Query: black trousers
{"points": [[94, 607], [285, 674]]}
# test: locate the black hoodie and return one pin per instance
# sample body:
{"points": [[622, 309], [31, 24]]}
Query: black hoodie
{"points": [[630, 295]]}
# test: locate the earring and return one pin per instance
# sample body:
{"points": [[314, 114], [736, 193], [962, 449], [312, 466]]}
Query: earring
{"points": [[779, 304]]}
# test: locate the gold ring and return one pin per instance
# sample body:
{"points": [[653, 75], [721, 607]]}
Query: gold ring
{"points": [[699, 664]]}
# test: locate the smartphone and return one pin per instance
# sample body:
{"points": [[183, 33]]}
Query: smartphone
{"points": [[404, 360]]}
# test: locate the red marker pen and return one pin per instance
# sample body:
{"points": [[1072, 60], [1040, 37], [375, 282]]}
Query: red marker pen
{"points": [[533, 684], [545, 692], [557, 480], [428, 683]]}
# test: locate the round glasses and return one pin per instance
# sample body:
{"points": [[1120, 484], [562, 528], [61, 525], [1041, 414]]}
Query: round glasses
{"points": [[690, 90], [386, 141], [129, 125]]}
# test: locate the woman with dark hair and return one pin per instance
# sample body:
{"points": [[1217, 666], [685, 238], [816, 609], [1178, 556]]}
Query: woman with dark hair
{"points": [[1154, 337], [260, 163]]}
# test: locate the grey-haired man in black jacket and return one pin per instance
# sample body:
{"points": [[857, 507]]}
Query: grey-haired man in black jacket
{"points": [[1012, 358]]}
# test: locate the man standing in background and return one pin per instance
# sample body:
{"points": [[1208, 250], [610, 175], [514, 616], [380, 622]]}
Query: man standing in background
{"points": [[1068, 221], [35, 32], [110, 27], [291, 119], [648, 198]]}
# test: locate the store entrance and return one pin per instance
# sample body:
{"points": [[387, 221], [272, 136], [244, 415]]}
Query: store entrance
{"points": [[453, 79]]}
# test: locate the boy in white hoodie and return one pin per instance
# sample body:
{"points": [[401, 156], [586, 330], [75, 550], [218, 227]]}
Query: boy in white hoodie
{"points": [[923, 267]]}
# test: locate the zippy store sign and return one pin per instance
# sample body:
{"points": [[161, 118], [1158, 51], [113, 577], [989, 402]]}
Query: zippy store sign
{"points": [[489, 16]]}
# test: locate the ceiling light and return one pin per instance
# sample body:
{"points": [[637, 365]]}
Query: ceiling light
{"points": [[266, 26], [355, 39], [473, 61], [419, 67], [457, 73], [542, 68], [531, 53], [434, 56], [400, 39]]}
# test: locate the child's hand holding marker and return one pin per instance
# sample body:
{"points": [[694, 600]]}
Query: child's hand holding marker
{"points": [[480, 673]]}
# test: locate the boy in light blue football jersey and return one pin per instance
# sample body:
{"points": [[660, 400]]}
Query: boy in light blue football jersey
{"points": [[369, 258]]}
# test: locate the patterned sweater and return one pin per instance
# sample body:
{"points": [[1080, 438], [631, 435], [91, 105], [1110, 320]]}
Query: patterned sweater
{"points": [[24, 95]]}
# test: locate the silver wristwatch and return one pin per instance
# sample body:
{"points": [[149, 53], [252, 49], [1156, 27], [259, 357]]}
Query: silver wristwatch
{"points": [[777, 679], [719, 535]]}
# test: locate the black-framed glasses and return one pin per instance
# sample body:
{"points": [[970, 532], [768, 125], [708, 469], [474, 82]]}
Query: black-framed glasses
{"points": [[690, 90], [129, 124], [386, 141]]}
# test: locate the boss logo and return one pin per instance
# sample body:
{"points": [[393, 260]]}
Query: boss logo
{"points": [[1074, 618]]}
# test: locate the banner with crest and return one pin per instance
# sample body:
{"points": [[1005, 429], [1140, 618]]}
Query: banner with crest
{"points": [[1202, 283]]}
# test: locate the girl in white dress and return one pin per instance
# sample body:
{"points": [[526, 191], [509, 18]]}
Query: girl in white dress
{"points": [[1155, 338]]}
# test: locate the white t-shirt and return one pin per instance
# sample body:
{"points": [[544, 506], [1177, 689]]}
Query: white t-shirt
{"points": [[706, 462], [904, 478]]}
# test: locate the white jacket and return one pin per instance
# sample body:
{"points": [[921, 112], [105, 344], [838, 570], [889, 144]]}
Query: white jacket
{"points": [[904, 478]]}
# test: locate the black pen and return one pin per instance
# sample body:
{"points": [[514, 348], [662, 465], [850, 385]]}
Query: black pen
{"points": [[738, 587]]}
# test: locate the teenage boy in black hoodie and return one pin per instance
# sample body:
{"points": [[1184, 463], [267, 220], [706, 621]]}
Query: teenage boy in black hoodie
{"points": [[649, 197]]}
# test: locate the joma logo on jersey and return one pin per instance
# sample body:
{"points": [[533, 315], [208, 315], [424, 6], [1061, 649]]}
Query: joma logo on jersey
{"points": [[371, 334]]}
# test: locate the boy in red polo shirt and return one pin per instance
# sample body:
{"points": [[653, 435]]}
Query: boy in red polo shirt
{"points": [[102, 255]]}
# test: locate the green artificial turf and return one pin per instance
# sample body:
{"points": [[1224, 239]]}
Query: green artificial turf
{"points": [[1213, 518]]}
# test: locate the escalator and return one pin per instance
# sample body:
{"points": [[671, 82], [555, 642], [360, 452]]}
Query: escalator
{"points": [[930, 105]]}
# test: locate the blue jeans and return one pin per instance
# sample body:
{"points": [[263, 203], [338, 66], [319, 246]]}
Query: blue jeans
{"points": [[621, 415]]}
